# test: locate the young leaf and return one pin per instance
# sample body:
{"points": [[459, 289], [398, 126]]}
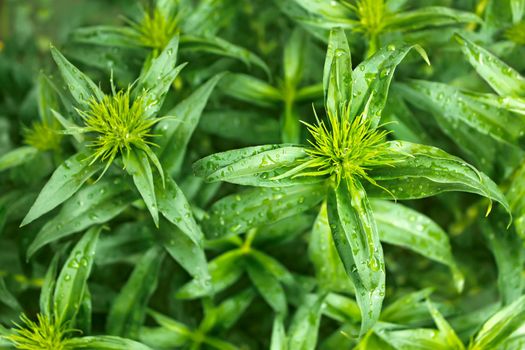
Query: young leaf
{"points": [[65, 181], [137, 165], [293, 58], [279, 341], [247, 88], [430, 16], [357, 240], [48, 287], [337, 75], [128, 310], [7, 297], [81, 87], [111, 36], [72, 280], [372, 79]]}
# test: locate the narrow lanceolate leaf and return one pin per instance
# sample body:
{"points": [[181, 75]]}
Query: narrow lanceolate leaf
{"points": [[279, 340], [64, 182], [357, 240], [128, 311], [429, 16], [189, 254], [337, 75], [408, 309], [253, 166], [517, 7], [107, 36], [72, 280], [17, 157], [174, 206], [293, 58], [239, 212], [224, 270], [7, 298], [230, 310], [402, 226], [446, 330], [507, 248], [268, 286], [137, 165], [81, 87], [372, 79], [501, 325], [174, 133], [304, 329], [452, 108], [505, 80], [423, 171], [95, 204], [413, 339], [218, 46], [253, 90], [47, 98], [106, 342], [48, 287], [157, 77], [329, 269]]}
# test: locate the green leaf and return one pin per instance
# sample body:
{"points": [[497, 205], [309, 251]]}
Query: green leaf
{"points": [[172, 333], [293, 58], [446, 330], [218, 46], [329, 269], [414, 339], [136, 163], [106, 342], [107, 36], [337, 74], [410, 308], [239, 212], [304, 329], [7, 298], [250, 89], [16, 157], [47, 98], [279, 341], [65, 181], [94, 204], [505, 80], [507, 248], [157, 77], [230, 310], [500, 326], [518, 7], [189, 254], [174, 134], [268, 286], [253, 166], [357, 240], [48, 287], [128, 311], [174, 206], [81, 87], [72, 280], [224, 270], [430, 16], [371, 80], [341, 308], [402, 226], [426, 171]]}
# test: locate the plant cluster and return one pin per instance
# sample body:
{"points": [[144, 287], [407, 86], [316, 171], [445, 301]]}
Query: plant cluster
{"points": [[283, 175]]}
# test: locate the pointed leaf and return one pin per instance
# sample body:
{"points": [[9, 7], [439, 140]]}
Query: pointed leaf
{"points": [[106, 342], [16, 157], [268, 286], [64, 182]]}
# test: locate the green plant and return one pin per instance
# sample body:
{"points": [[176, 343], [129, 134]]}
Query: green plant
{"points": [[282, 189]]}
